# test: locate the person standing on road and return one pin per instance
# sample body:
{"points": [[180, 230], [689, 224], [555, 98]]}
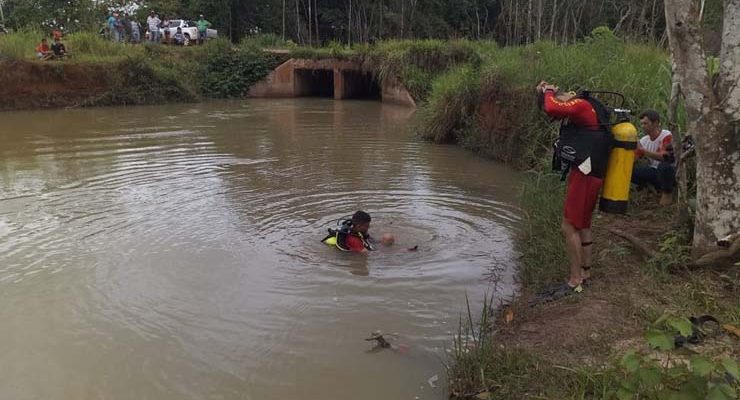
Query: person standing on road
{"points": [[203, 26]]}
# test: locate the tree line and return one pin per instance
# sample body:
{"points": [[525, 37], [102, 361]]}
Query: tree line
{"points": [[317, 22]]}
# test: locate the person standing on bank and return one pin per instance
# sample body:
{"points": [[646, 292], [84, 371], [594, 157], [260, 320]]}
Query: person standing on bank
{"points": [[657, 147], [584, 183]]}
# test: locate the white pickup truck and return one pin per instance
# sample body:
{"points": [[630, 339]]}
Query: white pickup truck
{"points": [[189, 30]]}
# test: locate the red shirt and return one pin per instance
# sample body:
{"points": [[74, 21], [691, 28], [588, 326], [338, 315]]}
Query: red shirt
{"points": [[578, 111], [42, 48], [354, 243]]}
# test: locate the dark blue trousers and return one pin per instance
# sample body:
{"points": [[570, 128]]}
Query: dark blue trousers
{"points": [[663, 177]]}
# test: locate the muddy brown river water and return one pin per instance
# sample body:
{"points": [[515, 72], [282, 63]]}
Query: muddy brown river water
{"points": [[172, 252]]}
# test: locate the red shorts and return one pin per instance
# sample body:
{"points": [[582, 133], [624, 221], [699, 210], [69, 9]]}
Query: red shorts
{"points": [[580, 198]]}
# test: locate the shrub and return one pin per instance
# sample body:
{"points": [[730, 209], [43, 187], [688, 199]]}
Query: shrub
{"points": [[229, 72]]}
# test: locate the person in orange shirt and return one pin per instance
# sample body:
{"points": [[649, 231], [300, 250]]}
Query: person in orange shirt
{"points": [[42, 51]]}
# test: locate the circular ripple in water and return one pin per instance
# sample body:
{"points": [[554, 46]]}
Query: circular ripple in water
{"points": [[180, 244]]}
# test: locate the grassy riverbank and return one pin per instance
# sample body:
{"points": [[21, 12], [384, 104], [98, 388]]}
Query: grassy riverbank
{"points": [[100, 72], [591, 345], [616, 339]]}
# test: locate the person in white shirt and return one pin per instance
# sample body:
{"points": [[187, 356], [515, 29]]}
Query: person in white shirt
{"points": [[657, 147], [153, 22]]}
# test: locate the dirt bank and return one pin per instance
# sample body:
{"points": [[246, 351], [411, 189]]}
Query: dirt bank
{"points": [[35, 84], [25, 84]]}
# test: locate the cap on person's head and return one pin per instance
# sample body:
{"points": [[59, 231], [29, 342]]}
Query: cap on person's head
{"points": [[652, 115], [360, 217], [201, 15]]}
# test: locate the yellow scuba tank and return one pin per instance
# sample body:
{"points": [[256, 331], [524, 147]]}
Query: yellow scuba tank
{"points": [[616, 191]]}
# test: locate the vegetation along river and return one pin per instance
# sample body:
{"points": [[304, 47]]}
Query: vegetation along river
{"points": [[173, 252]]}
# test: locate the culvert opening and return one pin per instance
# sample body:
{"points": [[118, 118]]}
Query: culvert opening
{"points": [[360, 85], [314, 82]]}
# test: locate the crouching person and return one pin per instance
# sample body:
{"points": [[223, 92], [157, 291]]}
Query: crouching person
{"points": [[657, 148]]}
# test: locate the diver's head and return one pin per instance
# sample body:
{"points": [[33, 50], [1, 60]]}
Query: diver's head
{"points": [[564, 95], [361, 222]]}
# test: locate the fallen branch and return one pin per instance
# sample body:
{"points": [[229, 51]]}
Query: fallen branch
{"points": [[650, 253]]}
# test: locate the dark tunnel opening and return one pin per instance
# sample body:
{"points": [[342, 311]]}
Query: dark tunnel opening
{"points": [[314, 82]]}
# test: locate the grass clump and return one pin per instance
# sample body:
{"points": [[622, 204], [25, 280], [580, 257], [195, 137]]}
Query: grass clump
{"points": [[333, 50], [418, 62], [451, 105], [20, 45], [268, 41], [480, 367], [543, 257], [91, 47], [508, 76]]}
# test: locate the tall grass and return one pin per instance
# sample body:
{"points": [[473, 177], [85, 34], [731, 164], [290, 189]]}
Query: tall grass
{"points": [[457, 92], [601, 62], [418, 62], [543, 259], [91, 47], [479, 367], [20, 45]]}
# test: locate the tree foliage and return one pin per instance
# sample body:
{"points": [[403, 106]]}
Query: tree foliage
{"points": [[316, 22]]}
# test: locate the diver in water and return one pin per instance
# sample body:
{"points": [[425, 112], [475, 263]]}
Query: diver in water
{"points": [[353, 235]]}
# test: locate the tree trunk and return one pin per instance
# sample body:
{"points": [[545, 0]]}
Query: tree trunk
{"points": [[552, 20], [310, 25], [713, 115], [316, 21], [298, 22]]}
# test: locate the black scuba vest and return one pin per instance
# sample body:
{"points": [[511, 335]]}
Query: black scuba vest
{"points": [[576, 144], [345, 230]]}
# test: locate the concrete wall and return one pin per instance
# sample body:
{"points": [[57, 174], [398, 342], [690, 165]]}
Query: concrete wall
{"points": [[291, 79]]}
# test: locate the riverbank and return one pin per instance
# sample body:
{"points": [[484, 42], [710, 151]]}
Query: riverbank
{"points": [[590, 345], [599, 343], [101, 73]]}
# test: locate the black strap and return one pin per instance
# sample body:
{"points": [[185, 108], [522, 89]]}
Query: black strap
{"points": [[586, 268], [625, 145], [584, 244]]}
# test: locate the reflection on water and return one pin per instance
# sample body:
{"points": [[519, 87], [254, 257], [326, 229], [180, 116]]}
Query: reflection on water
{"points": [[173, 252]]}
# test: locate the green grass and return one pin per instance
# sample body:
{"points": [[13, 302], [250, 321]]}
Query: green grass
{"points": [[150, 73], [20, 45], [601, 62], [91, 47], [477, 364], [543, 259]]}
